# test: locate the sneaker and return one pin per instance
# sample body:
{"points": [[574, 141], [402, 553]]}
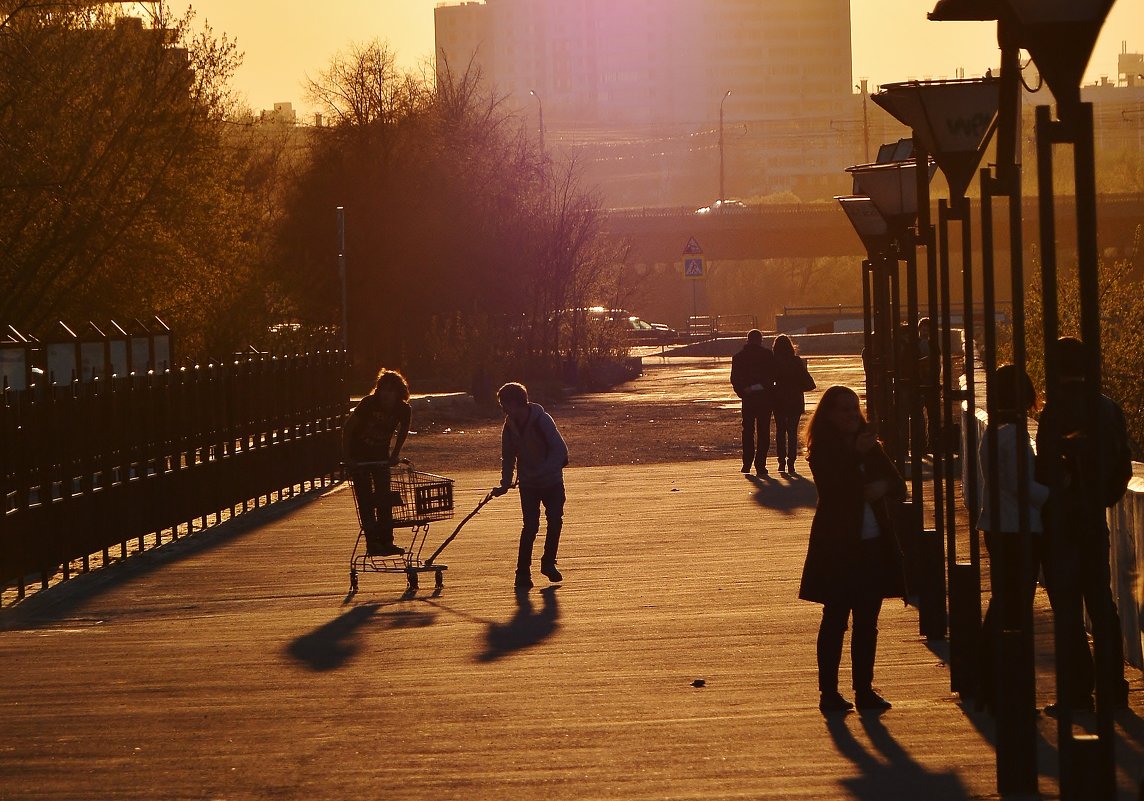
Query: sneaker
{"points": [[1079, 705], [384, 549], [523, 581], [790, 468], [762, 471], [745, 468], [870, 700], [550, 572], [832, 703]]}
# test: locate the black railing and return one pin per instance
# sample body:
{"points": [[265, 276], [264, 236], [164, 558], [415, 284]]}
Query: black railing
{"points": [[114, 464]]}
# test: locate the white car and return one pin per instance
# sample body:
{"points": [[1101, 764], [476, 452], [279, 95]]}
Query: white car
{"points": [[723, 207]]}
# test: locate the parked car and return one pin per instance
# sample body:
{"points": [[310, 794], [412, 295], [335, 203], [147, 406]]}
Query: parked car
{"points": [[636, 330], [723, 207], [641, 332]]}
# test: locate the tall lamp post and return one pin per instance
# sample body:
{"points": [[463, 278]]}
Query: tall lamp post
{"points": [[540, 112], [1060, 37], [956, 120], [341, 216], [721, 102]]}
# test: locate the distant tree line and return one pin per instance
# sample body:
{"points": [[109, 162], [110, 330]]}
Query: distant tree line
{"points": [[132, 184]]}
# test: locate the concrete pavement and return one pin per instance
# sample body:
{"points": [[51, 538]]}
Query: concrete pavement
{"points": [[233, 665]]}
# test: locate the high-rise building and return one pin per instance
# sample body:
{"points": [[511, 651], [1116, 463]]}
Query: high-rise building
{"points": [[655, 62], [658, 70]]}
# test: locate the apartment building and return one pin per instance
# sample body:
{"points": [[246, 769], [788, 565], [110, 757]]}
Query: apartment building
{"points": [[626, 74]]}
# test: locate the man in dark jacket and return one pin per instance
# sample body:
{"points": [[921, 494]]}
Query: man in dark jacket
{"points": [[753, 378], [532, 446], [1087, 467]]}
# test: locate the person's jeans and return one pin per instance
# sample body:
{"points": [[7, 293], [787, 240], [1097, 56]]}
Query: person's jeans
{"points": [[863, 642], [862, 599], [756, 418], [786, 437], [1014, 561], [531, 499], [1078, 579], [374, 500]]}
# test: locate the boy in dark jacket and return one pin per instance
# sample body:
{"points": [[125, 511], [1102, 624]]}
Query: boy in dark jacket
{"points": [[753, 379], [532, 445]]}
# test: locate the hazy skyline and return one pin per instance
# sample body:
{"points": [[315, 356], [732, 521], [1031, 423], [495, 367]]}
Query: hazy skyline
{"points": [[285, 42]]}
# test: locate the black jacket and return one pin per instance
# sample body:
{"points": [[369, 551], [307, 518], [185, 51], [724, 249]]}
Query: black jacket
{"points": [[754, 364], [792, 378], [840, 474]]}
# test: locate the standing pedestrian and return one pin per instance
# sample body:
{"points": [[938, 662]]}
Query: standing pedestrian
{"points": [[1014, 554], [853, 559], [753, 379], [792, 380], [1084, 477], [532, 446], [372, 437]]}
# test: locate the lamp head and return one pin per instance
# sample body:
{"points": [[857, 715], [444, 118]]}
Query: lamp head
{"points": [[952, 120]]}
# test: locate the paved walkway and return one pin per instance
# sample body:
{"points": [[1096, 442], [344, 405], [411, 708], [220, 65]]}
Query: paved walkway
{"points": [[235, 666]]}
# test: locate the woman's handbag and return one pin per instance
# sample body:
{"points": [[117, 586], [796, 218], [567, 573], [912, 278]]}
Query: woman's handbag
{"points": [[807, 380]]}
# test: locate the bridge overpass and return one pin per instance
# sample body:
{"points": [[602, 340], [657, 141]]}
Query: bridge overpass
{"points": [[807, 230]]}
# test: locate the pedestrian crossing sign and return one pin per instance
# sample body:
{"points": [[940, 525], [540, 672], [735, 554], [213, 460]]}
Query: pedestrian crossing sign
{"points": [[692, 247], [693, 266]]}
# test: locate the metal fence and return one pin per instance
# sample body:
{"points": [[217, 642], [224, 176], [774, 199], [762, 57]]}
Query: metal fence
{"points": [[93, 472]]}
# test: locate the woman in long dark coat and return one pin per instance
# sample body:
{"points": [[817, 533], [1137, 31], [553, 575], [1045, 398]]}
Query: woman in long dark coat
{"points": [[853, 559]]}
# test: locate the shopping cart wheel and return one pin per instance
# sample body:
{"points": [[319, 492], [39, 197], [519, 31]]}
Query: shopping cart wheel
{"points": [[440, 579], [353, 580], [412, 576]]}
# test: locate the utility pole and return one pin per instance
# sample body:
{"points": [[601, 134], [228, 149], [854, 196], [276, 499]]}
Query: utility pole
{"points": [[721, 102], [341, 213]]}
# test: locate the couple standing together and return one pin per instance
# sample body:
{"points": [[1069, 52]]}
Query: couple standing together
{"points": [[770, 381]]}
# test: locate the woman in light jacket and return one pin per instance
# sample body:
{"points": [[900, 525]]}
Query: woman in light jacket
{"points": [[853, 559], [1014, 556]]}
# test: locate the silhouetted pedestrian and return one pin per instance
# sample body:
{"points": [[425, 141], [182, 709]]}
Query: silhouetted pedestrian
{"points": [[853, 559], [792, 380], [1085, 475], [1014, 555], [753, 379], [372, 437], [532, 445]]}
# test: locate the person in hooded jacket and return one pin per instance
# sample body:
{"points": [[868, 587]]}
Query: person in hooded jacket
{"points": [[853, 559], [1085, 477], [792, 380], [531, 446]]}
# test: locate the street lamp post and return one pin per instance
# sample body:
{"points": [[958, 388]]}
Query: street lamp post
{"points": [[1060, 37], [341, 213], [540, 111], [721, 102]]}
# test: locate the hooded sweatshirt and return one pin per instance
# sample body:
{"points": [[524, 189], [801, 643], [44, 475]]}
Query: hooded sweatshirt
{"points": [[536, 449]]}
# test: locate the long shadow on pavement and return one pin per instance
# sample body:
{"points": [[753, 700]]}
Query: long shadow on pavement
{"points": [[60, 600], [888, 771], [785, 495], [333, 644], [527, 627]]}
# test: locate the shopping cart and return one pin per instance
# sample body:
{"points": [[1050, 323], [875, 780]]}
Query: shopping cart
{"points": [[417, 499]]}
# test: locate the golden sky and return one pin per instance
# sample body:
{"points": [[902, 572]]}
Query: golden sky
{"points": [[286, 40]]}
